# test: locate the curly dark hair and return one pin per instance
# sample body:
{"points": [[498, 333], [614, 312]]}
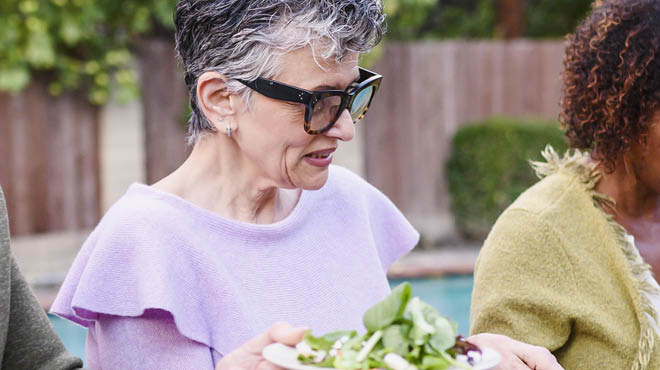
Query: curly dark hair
{"points": [[611, 78]]}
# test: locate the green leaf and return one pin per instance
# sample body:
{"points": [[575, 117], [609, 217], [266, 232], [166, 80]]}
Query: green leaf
{"points": [[14, 78], [444, 336], [354, 343], [434, 363], [429, 326], [328, 361], [40, 50], [421, 326], [70, 31], [347, 361], [28, 6], [395, 339], [325, 342], [99, 96], [388, 310], [413, 356], [376, 356]]}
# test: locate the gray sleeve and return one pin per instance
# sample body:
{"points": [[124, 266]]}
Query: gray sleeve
{"points": [[27, 339], [31, 342]]}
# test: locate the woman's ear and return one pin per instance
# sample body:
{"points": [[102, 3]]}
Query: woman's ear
{"points": [[214, 100]]}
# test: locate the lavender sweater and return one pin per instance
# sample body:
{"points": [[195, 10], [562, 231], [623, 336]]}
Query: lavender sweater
{"points": [[164, 284]]}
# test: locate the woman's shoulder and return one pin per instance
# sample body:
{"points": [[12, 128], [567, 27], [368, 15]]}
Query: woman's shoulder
{"points": [[144, 213], [560, 212], [558, 190], [566, 188], [141, 204]]}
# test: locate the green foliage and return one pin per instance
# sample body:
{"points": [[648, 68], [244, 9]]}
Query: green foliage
{"points": [[440, 19], [405, 18], [456, 21], [489, 168], [422, 19], [76, 43], [553, 18]]}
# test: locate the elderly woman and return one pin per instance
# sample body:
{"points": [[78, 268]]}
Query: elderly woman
{"points": [[561, 267], [256, 226]]}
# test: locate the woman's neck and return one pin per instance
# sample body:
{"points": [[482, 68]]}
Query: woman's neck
{"points": [[216, 177], [635, 201]]}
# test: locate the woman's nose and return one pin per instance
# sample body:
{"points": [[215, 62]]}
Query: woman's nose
{"points": [[343, 129]]}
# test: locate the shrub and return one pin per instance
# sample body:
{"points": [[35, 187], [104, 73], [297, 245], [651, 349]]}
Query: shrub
{"points": [[489, 168]]}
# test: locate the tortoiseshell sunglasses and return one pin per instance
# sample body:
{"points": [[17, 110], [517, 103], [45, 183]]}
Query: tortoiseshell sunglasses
{"points": [[323, 108]]}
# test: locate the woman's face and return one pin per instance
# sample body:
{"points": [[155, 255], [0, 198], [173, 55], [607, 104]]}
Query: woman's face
{"points": [[271, 135], [647, 156]]}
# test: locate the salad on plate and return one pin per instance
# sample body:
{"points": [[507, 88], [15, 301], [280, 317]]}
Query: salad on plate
{"points": [[403, 333]]}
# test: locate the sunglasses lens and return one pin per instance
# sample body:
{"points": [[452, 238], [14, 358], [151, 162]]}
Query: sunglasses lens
{"points": [[325, 111], [361, 102]]}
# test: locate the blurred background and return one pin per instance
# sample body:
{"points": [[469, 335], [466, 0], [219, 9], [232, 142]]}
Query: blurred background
{"points": [[92, 99]]}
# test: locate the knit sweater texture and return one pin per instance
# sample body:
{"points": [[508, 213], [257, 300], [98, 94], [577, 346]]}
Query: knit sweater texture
{"points": [[27, 339], [557, 271]]}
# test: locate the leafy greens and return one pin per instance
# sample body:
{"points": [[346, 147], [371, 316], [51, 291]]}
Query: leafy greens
{"points": [[403, 333]]}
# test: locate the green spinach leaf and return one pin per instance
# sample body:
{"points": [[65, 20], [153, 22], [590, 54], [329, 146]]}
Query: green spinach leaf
{"points": [[388, 310]]}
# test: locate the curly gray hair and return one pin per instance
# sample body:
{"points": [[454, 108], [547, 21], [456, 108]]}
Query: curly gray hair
{"points": [[244, 39]]}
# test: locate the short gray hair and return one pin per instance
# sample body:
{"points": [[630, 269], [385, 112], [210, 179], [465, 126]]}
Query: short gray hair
{"points": [[244, 39]]}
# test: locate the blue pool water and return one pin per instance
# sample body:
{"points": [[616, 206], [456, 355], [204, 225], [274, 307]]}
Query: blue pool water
{"points": [[450, 295], [72, 335]]}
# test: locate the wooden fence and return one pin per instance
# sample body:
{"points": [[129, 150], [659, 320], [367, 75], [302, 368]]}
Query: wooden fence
{"points": [[164, 101], [432, 88], [49, 164]]}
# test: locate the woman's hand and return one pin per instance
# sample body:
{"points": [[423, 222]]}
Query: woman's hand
{"points": [[248, 356], [517, 355]]}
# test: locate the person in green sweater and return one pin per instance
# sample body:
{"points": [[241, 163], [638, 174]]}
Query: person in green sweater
{"points": [[562, 268]]}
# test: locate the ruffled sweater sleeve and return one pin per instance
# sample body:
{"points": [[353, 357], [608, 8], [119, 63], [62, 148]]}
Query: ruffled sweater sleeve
{"points": [[392, 233], [148, 342], [136, 260]]}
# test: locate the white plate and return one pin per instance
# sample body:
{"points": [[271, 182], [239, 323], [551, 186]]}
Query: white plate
{"points": [[287, 357]]}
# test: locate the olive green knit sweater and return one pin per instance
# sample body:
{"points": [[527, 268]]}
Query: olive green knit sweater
{"points": [[556, 271]]}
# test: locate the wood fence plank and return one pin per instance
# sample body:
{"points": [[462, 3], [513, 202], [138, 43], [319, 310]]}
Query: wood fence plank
{"points": [[164, 100], [387, 111], [39, 117], [552, 65], [21, 218], [6, 152], [88, 164]]}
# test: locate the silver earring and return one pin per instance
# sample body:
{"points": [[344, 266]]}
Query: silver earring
{"points": [[228, 131]]}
